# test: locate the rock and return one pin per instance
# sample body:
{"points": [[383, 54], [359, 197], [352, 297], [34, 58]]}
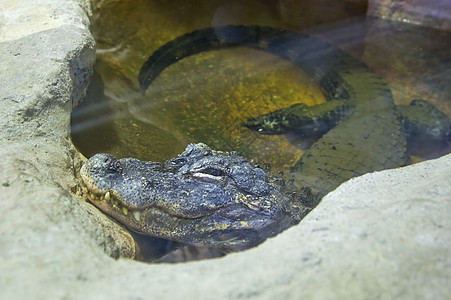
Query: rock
{"points": [[44, 74], [383, 235], [308, 13], [430, 13]]}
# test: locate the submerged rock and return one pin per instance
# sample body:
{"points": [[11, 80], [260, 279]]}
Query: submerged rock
{"points": [[429, 13]]}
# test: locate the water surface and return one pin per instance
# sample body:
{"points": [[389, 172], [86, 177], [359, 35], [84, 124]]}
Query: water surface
{"points": [[204, 98]]}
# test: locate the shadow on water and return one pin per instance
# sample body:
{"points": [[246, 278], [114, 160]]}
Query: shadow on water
{"points": [[206, 97]]}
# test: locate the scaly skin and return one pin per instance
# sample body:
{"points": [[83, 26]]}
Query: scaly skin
{"points": [[202, 196], [218, 198]]}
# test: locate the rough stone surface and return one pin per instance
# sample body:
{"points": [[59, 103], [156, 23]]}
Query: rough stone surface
{"points": [[21, 18], [381, 236], [44, 74]]}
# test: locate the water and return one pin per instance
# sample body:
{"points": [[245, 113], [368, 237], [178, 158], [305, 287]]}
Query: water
{"points": [[204, 98]]}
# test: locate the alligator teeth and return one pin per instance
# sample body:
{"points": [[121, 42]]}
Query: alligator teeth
{"points": [[137, 215], [107, 196], [125, 210]]}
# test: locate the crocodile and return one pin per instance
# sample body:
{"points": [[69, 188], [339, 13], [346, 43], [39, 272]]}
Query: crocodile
{"points": [[219, 198]]}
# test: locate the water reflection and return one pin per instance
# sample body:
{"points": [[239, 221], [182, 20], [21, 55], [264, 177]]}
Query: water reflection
{"points": [[206, 97]]}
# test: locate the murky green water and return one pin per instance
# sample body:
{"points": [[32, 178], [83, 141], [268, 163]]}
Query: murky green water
{"points": [[204, 98]]}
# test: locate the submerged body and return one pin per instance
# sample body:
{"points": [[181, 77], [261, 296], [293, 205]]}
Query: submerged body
{"points": [[218, 198]]}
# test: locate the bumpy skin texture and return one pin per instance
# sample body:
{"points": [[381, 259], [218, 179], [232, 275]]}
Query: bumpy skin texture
{"points": [[310, 121], [427, 129], [218, 198], [202, 196]]}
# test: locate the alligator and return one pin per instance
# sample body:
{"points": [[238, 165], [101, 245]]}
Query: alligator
{"points": [[219, 198]]}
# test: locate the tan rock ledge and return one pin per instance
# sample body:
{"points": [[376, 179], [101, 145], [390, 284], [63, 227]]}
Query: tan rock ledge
{"points": [[383, 235]]}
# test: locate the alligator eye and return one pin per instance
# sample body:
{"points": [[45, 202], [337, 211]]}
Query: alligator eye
{"points": [[210, 174], [177, 162], [212, 171]]}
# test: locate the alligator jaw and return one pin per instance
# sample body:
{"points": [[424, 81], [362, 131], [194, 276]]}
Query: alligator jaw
{"points": [[108, 202], [204, 196], [226, 236]]}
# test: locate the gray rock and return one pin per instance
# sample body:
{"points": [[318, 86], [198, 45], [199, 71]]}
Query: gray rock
{"points": [[383, 235]]}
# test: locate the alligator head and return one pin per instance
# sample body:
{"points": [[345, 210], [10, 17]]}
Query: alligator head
{"points": [[202, 196]]}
